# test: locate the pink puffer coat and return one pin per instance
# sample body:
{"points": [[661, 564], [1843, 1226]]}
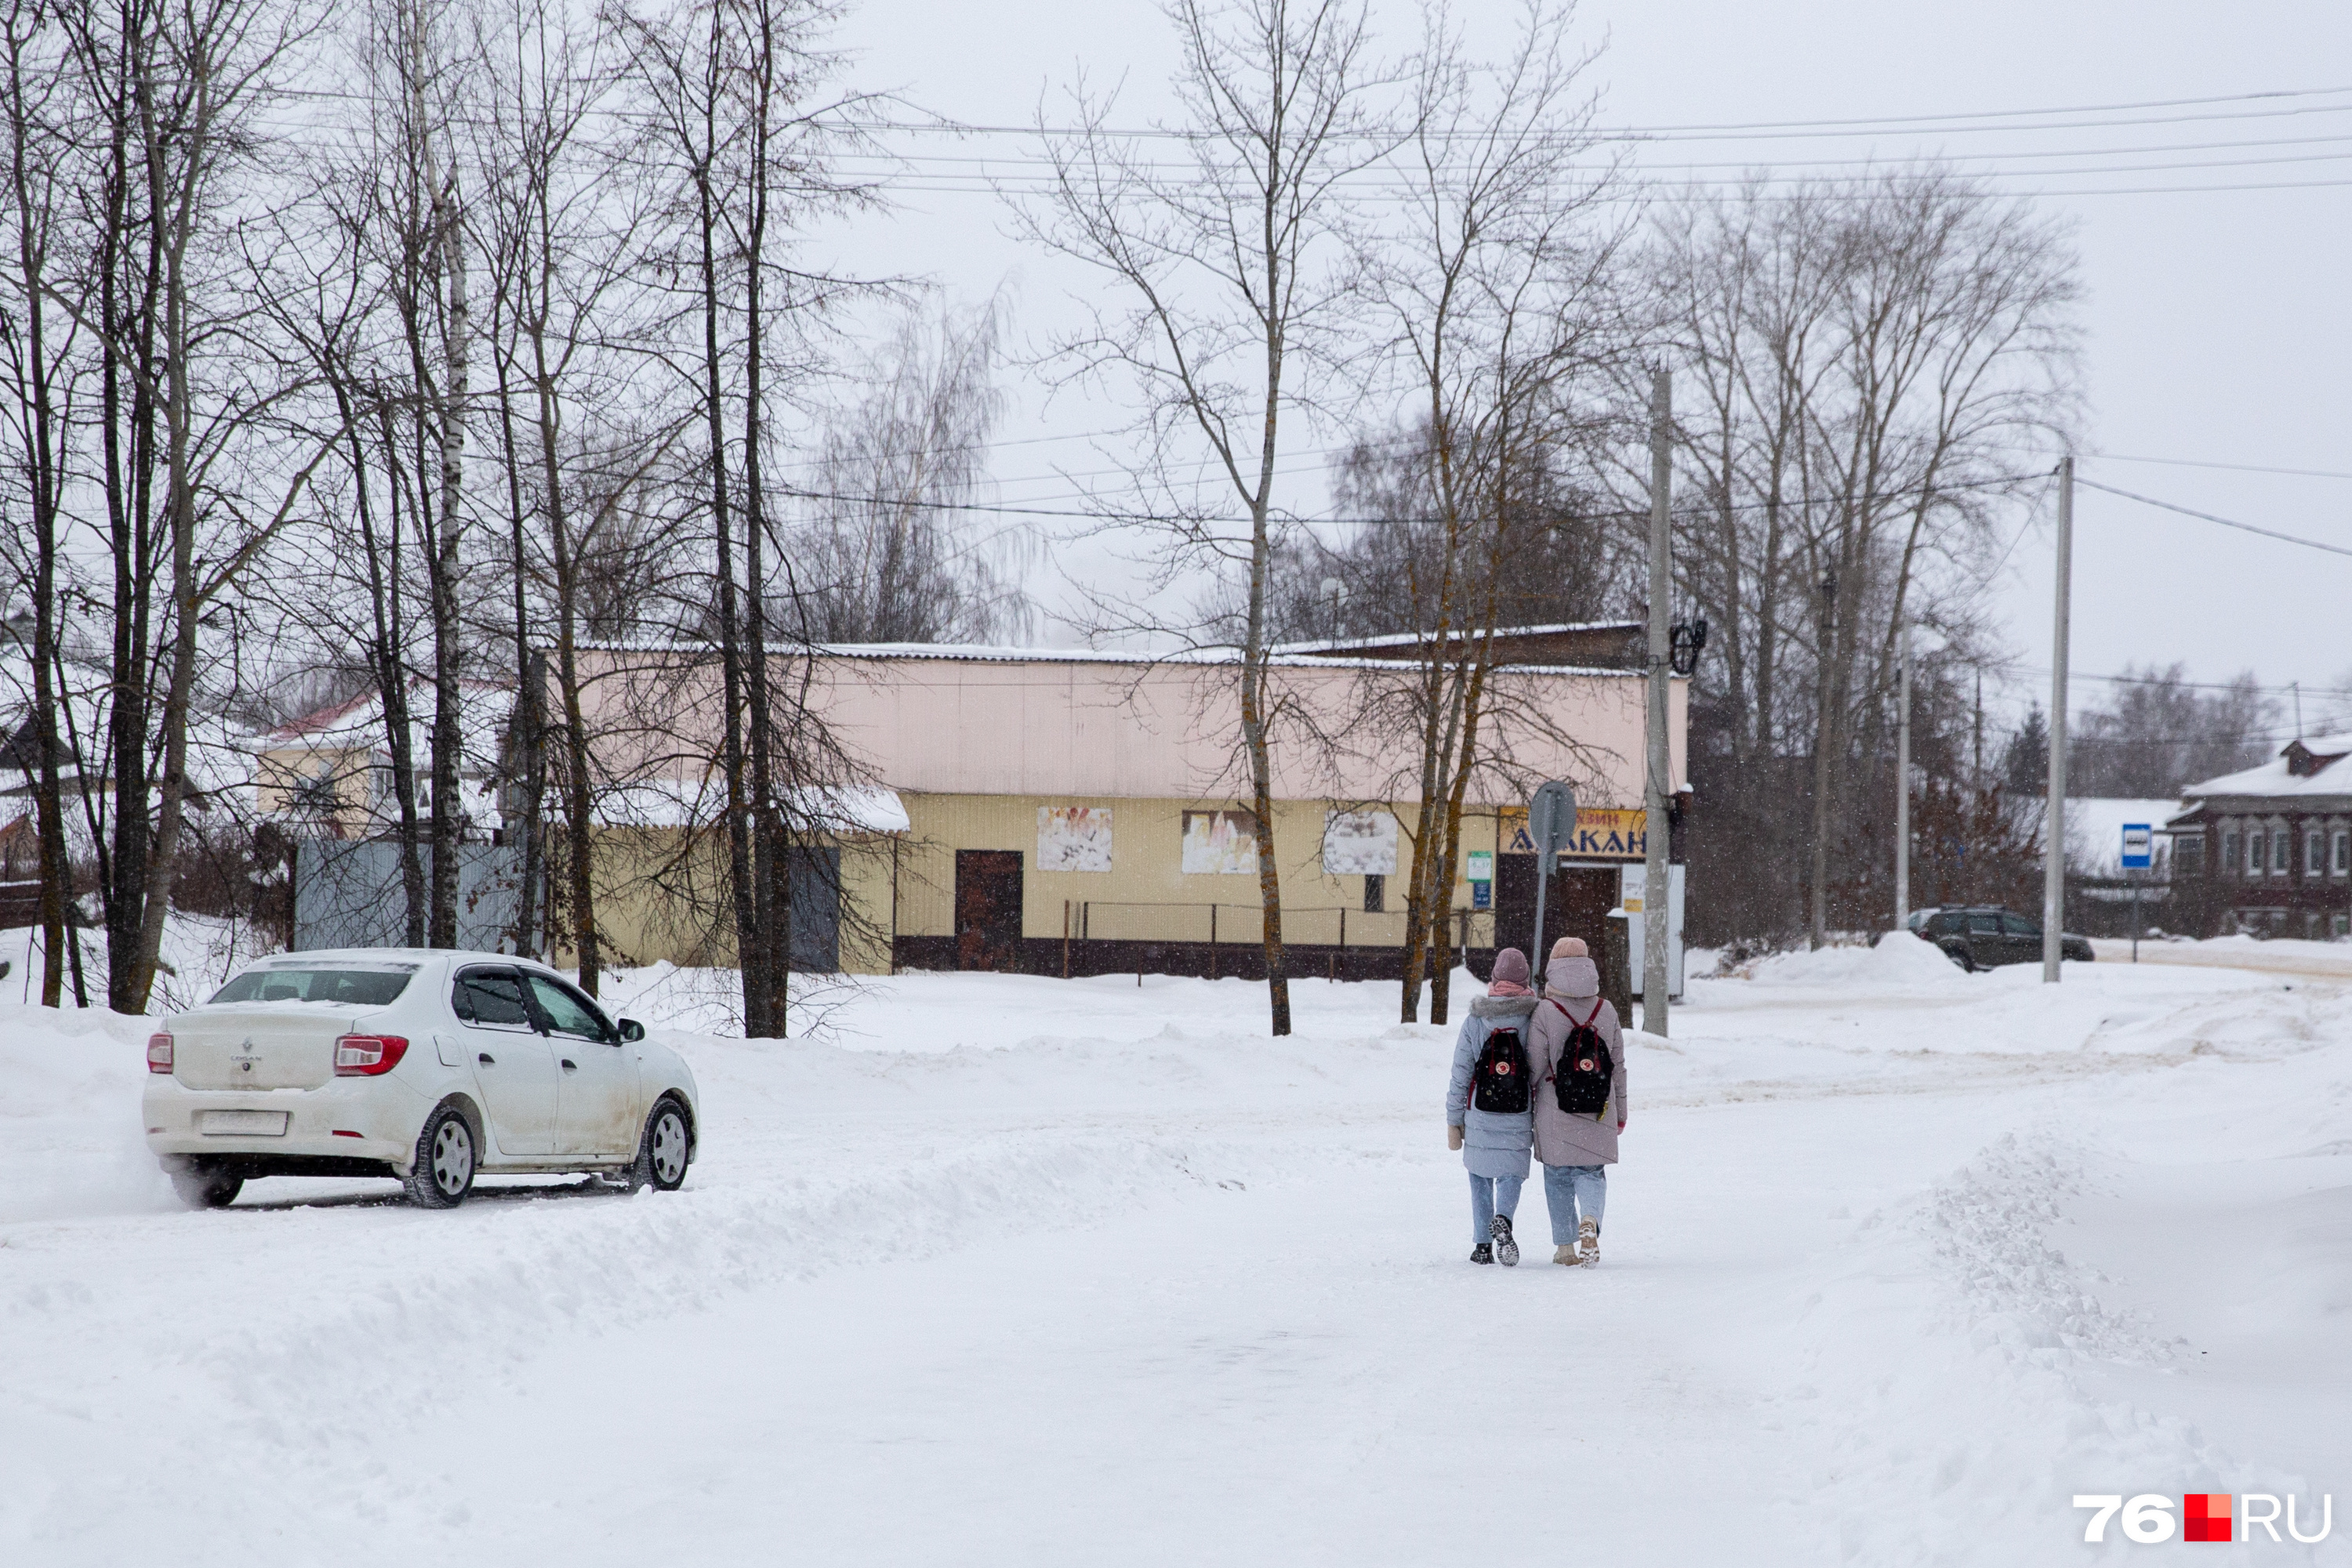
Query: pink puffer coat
{"points": [[1573, 984]]}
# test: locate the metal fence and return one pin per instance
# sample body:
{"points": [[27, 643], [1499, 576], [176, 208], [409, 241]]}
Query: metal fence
{"points": [[1243, 925], [349, 894]]}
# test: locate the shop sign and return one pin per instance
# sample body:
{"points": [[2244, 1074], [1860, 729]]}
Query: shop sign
{"points": [[1602, 833]]}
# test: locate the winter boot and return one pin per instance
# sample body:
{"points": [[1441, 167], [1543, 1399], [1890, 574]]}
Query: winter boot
{"points": [[1506, 1250], [1482, 1253], [1565, 1253], [1588, 1243]]}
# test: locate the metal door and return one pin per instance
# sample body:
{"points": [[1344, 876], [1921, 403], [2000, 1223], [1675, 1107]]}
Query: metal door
{"points": [[987, 910], [1576, 904]]}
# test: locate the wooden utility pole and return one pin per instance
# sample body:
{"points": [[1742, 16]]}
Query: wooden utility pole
{"points": [[1657, 894], [2054, 817]]}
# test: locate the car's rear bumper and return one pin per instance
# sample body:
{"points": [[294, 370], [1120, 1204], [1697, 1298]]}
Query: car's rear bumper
{"points": [[371, 1121]]}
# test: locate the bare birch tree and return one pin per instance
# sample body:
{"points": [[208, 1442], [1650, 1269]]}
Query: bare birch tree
{"points": [[1224, 238], [886, 556], [1499, 295]]}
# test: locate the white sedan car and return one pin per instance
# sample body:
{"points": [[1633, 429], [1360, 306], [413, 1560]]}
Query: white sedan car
{"points": [[421, 1064]]}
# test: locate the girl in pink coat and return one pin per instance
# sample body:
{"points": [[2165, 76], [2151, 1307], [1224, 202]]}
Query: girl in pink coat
{"points": [[1576, 1150]]}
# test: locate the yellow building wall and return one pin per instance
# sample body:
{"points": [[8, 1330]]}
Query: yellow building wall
{"points": [[1146, 895], [284, 780], [660, 896], [904, 885]]}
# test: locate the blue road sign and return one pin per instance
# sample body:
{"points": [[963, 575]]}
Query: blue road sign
{"points": [[2139, 846]]}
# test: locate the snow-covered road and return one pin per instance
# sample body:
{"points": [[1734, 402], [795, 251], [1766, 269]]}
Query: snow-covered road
{"points": [[1041, 1272]]}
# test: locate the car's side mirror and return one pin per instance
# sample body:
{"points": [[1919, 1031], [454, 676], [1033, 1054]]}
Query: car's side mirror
{"points": [[631, 1031]]}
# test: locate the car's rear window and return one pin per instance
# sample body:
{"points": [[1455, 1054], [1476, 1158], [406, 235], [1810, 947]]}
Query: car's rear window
{"points": [[341, 988]]}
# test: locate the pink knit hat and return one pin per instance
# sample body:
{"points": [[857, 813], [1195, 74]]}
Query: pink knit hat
{"points": [[1510, 967], [1569, 947]]}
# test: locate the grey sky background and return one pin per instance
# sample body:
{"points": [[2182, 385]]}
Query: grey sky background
{"points": [[2219, 329]]}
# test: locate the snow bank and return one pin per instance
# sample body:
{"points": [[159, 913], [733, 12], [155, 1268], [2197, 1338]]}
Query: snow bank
{"points": [[1898, 959], [70, 1139]]}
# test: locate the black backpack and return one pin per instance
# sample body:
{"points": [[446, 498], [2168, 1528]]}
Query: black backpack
{"points": [[1583, 1079], [1499, 1083]]}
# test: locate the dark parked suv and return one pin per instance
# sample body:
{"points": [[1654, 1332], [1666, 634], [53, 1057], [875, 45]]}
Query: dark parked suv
{"points": [[1983, 937]]}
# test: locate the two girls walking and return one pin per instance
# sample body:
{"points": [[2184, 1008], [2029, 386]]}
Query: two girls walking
{"points": [[1563, 1099]]}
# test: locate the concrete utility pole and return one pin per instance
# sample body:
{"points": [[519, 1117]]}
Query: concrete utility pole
{"points": [[1657, 891], [1903, 788], [2054, 817]]}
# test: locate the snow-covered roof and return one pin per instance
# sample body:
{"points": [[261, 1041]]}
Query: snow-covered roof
{"points": [[841, 809], [2277, 778], [218, 760], [986, 653], [1502, 633], [356, 723]]}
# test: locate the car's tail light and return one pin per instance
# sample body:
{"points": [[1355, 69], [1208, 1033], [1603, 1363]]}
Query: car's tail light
{"points": [[159, 1053], [365, 1055]]}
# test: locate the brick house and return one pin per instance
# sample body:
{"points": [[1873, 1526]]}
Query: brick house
{"points": [[2269, 849]]}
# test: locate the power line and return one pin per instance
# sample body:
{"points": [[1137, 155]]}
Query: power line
{"points": [[2234, 467], [2209, 517], [1144, 517], [1972, 121]]}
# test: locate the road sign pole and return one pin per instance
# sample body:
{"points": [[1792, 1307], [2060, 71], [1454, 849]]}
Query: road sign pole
{"points": [[1535, 943], [1551, 818], [2138, 858]]}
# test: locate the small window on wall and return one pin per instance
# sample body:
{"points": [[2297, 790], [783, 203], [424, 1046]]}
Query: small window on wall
{"points": [[2342, 926], [2343, 852], [2188, 854], [2282, 852], [2315, 854], [1376, 894], [2229, 851]]}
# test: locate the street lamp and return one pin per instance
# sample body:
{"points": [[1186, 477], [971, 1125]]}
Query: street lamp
{"points": [[1688, 637]]}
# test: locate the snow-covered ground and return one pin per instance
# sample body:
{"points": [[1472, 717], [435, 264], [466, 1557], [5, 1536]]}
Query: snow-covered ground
{"points": [[1036, 1272]]}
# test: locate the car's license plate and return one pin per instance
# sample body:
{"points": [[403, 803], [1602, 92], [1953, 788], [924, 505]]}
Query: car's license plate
{"points": [[250, 1123]]}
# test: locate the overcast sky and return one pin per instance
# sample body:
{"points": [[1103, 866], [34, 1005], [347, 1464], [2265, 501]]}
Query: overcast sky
{"points": [[2219, 331]]}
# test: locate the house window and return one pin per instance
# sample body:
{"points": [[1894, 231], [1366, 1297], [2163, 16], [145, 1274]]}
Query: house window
{"points": [[2343, 852], [2229, 851], [2343, 926], [1376, 894], [2315, 854], [2281, 852], [2188, 853]]}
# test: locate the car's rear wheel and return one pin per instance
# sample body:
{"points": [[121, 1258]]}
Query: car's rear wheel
{"points": [[1960, 954], [444, 1171], [205, 1186], [663, 1154]]}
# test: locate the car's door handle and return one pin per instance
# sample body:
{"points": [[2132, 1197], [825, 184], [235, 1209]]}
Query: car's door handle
{"points": [[486, 1059], [571, 1066]]}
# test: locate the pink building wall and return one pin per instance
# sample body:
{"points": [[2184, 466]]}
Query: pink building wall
{"points": [[1033, 722]]}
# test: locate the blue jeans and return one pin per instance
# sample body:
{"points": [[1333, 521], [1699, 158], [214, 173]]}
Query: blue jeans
{"points": [[1488, 1194], [1565, 1187]]}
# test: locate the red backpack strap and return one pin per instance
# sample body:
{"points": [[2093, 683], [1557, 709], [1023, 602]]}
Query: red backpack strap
{"points": [[1595, 1014]]}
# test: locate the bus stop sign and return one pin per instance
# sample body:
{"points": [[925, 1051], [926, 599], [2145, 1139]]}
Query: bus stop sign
{"points": [[2140, 846]]}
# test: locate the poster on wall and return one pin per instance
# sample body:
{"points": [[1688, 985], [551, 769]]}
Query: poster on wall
{"points": [[1220, 843], [1360, 844], [1074, 838]]}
